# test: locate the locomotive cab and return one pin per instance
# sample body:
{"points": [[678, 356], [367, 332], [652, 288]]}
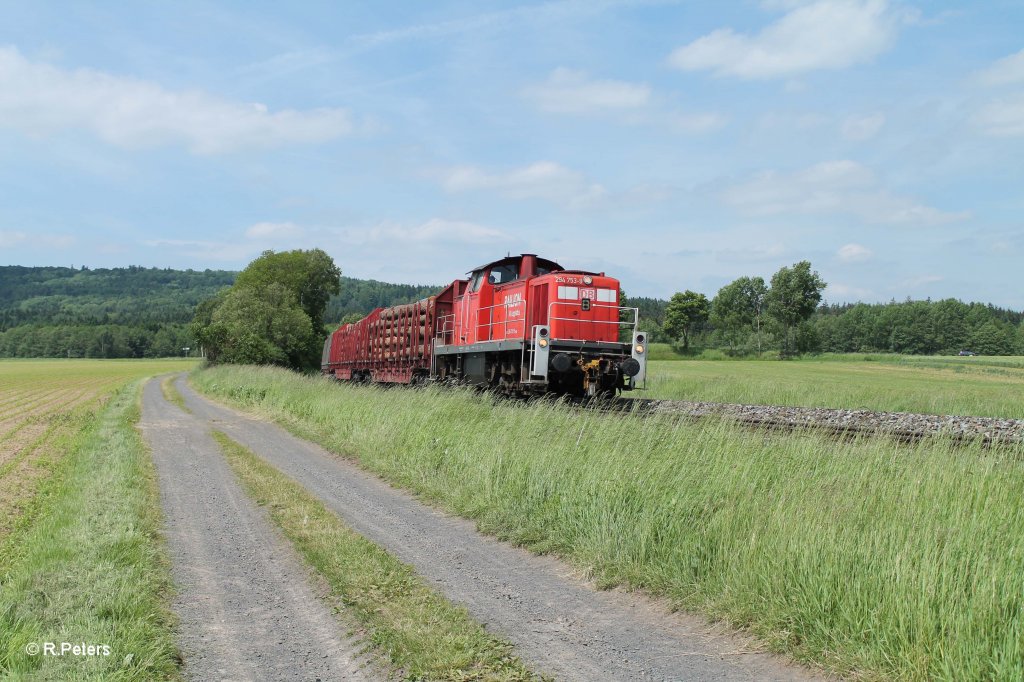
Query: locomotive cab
{"points": [[526, 325]]}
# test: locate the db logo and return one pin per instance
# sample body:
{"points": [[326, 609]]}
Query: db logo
{"points": [[588, 293]]}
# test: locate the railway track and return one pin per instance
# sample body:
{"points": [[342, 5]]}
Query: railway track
{"points": [[906, 426]]}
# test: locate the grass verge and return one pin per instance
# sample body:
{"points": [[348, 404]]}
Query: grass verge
{"points": [[421, 633], [869, 557], [171, 394], [893, 383], [89, 568]]}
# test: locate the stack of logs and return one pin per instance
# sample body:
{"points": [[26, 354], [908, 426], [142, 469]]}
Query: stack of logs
{"points": [[403, 331]]}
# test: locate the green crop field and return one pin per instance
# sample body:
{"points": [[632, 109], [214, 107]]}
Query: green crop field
{"points": [[869, 557], [990, 386], [80, 558], [44, 404]]}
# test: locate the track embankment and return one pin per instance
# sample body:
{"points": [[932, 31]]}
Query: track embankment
{"points": [[906, 425], [245, 606], [558, 624]]}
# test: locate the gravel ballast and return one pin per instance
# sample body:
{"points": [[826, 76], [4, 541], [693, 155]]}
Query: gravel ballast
{"points": [[902, 424]]}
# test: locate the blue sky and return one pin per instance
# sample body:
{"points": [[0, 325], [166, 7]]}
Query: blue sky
{"points": [[676, 145]]}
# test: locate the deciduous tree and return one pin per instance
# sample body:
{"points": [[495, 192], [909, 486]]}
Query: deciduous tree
{"points": [[795, 293], [737, 310], [684, 313], [311, 275]]}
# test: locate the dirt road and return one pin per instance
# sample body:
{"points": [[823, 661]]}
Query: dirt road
{"points": [[559, 625], [246, 608]]}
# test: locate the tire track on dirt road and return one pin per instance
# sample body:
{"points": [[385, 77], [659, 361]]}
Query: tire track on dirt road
{"points": [[558, 625], [243, 599]]}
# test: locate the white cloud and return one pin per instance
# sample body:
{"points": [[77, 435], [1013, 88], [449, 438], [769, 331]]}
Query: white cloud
{"points": [[853, 253], [205, 250], [13, 238], [40, 99], [437, 230], [1002, 117], [274, 231], [831, 187], [1009, 69], [828, 34], [573, 92], [922, 280], [859, 128], [750, 254], [846, 291], [695, 124], [542, 180]]}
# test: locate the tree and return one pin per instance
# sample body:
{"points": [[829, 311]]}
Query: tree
{"points": [[272, 314], [991, 339], [684, 313], [737, 309], [793, 298], [260, 327], [311, 275]]}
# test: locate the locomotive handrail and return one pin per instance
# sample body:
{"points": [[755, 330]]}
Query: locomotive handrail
{"points": [[505, 322], [444, 329], [635, 323]]}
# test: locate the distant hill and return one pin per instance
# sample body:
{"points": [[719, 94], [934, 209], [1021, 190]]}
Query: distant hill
{"points": [[135, 311], [127, 296]]}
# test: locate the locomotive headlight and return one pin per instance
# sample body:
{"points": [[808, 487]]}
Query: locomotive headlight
{"points": [[587, 279], [543, 343], [639, 348]]}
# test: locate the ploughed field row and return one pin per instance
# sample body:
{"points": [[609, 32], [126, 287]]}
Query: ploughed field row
{"points": [[44, 405], [906, 425]]}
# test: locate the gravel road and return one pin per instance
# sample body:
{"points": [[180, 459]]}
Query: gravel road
{"points": [[558, 624], [244, 600]]}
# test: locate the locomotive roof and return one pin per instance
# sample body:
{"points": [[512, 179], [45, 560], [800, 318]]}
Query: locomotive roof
{"points": [[507, 260]]}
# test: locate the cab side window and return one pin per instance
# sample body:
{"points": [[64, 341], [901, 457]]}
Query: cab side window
{"points": [[503, 274]]}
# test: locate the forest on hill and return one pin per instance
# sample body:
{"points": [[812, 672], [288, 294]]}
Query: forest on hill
{"points": [[145, 312], [136, 312]]}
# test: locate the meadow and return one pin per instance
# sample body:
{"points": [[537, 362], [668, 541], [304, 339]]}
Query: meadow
{"points": [[979, 386], [80, 558], [867, 557]]}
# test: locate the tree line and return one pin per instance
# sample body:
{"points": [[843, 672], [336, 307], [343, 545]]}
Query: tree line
{"points": [[145, 312], [136, 312], [749, 316]]}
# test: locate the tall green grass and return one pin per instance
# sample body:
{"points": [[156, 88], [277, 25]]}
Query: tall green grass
{"points": [[888, 383], [88, 566], [868, 556]]}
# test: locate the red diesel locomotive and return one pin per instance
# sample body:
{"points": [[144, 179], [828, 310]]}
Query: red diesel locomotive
{"points": [[522, 325]]}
